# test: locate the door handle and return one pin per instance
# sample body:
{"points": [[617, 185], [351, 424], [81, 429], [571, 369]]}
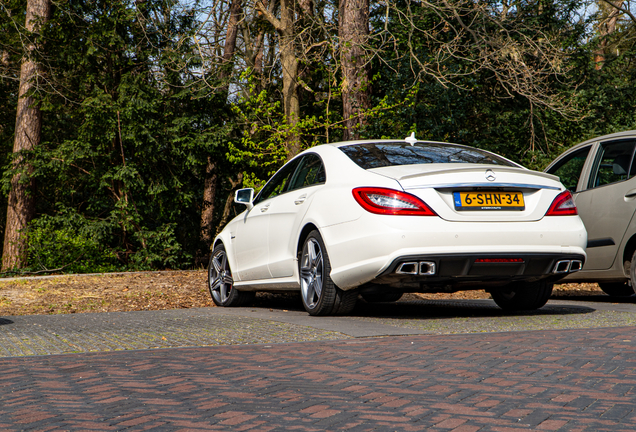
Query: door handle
{"points": [[630, 193], [264, 208], [301, 199]]}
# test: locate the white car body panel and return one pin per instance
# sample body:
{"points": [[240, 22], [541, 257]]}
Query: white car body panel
{"points": [[376, 241], [286, 215], [249, 250]]}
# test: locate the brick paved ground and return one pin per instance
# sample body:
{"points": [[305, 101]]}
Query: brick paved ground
{"points": [[570, 380]]}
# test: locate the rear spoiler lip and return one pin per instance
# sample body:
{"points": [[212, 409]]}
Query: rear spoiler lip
{"points": [[484, 185]]}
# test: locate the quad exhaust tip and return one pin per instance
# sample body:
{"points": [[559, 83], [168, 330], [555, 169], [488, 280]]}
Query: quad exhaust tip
{"points": [[426, 268], [568, 266]]}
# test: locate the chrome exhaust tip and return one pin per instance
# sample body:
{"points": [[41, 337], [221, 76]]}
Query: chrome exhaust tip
{"points": [[562, 266], [423, 268], [427, 268], [409, 268], [576, 265]]}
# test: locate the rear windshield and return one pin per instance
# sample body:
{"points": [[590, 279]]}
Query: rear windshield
{"points": [[376, 155]]}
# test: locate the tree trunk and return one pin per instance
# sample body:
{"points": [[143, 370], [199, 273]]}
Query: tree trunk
{"points": [[210, 184], [285, 26], [230, 39], [228, 202], [209, 195], [28, 126], [353, 32], [606, 28]]}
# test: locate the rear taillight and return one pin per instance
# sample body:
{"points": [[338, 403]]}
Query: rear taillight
{"points": [[563, 205], [391, 202]]}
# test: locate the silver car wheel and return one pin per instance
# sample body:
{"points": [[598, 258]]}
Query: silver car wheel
{"points": [[220, 277], [311, 272]]}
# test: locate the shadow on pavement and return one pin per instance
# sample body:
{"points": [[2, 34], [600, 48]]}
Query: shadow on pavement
{"points": [[5, 321], [457, 309], [599, 299], [423, 308]]}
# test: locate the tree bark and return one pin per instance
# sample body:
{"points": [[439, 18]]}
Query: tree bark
{"points": [[230, 199], [211, 178], [353, 32], [230, 39], [606, 28], [286, 28], [28, 126], [209, 195]]}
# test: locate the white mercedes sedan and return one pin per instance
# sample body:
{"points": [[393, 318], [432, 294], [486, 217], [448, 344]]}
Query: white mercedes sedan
{"points": [[380, 218]]}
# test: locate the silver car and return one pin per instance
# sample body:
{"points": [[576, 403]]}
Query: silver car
{"points": [[601, 174]]}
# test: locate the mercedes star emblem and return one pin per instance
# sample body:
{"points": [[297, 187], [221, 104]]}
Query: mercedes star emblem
{"points": [[490, 175]]}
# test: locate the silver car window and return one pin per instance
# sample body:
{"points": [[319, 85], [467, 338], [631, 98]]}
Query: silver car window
{"points": [[613, 163]]}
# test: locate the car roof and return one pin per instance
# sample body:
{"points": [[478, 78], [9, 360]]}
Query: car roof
{"points": [[624, 134], [386, 141]]}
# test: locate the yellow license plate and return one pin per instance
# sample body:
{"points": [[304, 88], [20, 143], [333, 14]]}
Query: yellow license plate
{"points": [[488, 200]]}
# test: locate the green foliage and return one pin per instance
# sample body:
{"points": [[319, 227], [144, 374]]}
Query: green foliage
{"points": [[133, 111], [261, 149], [70, 243], [161, 249], [472, 107], [125, 137]]}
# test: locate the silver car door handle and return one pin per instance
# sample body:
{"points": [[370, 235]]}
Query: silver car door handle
{"points": [[630, 194], [301, 199], [264, 208]]}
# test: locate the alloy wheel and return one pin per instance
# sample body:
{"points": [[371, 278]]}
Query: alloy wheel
{"points": [[311, 273], [220, 277]]}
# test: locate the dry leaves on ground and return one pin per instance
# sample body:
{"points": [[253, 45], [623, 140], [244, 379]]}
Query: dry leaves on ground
{"points": [[105, 293], [155, 291]]}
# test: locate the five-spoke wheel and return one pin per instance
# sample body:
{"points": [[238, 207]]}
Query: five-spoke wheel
{"points": [[311, 271], [221, 283], [319, 294]]}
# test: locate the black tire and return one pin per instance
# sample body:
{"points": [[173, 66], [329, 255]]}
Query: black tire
{"points": [[385, 297], [616, 289], [221, 283], [319, 294], [622, 289], [522, 296]]}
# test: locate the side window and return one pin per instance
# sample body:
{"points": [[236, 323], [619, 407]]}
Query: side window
{"points": [[278, 184], [613, 163], [569, 168], [310, 172]]}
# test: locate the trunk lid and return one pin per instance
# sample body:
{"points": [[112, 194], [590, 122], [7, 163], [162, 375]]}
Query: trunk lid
{"points": [[478, 193]]}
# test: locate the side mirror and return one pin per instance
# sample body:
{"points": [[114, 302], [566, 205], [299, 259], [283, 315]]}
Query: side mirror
{"points": [[244, 196]]}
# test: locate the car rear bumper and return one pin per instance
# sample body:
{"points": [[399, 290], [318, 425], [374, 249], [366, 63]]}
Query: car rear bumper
{"points": [[369, 249], [426, 272]]}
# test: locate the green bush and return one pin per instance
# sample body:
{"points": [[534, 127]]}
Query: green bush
{"points": [[69, 243], [159, 250]]}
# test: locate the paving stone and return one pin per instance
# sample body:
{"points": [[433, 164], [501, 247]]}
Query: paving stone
{"points": [[399, 383], [269, 371]]}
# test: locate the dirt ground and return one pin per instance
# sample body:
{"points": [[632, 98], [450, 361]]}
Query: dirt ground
{"points": [[156, 291]]}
